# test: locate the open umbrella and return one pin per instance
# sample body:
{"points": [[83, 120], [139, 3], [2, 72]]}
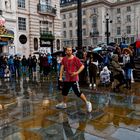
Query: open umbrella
{"points": [[37, 53], [112, 44], [109, 48], [95, 55], [58, 53], [97, 49]]}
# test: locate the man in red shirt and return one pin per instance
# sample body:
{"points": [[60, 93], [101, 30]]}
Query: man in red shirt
{"points": [[73, 67]]}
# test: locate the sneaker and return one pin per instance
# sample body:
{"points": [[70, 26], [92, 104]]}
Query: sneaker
{"points": [[132, 81], [61, 106], [94, 85], [89, 106], [90, 85]]}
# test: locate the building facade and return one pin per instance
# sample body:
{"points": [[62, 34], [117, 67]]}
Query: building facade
{"points": [[36, 25], [122, 17], [8, 28]]}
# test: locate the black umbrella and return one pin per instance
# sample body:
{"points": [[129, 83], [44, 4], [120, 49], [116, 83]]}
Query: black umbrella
{"points": [[95, 55], [112, 44], [58, 53], [37, 53]]}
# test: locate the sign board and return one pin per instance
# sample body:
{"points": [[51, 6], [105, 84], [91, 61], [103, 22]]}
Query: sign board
{"points": [[44, 50], [46, 43], [3, 43]]}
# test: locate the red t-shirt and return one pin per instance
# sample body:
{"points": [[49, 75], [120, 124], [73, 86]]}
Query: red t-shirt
{"points": [[70, 66]]}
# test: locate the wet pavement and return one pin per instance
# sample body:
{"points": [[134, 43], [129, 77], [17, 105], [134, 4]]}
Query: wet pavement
{"points": [[27, 112]]}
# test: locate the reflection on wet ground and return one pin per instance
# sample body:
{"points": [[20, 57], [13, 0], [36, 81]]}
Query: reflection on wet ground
{"points": [[27, 112]]}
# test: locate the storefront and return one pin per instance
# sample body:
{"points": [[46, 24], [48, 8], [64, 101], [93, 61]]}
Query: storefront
{"points": [[6, 36], [46, 43], [6, 39]]}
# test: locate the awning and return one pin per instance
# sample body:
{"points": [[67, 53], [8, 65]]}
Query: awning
{"points": [[8, 34]]}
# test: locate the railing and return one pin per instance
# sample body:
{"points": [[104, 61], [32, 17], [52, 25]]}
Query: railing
{"points": [[47, 35], [46, 9], [94, 34]]}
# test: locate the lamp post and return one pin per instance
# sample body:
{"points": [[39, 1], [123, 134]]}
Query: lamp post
{"points": [[79, 34], [107, 27]]}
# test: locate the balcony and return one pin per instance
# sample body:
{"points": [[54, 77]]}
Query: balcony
{"points": [[46, 9], [47, 36], [94, 34]]}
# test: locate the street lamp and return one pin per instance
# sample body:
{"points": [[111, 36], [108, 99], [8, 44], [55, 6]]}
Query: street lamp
{"points": [[107, 27]]}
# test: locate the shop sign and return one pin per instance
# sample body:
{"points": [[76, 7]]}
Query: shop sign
{"points": [[4, 43], [44, 50], [46, 43]]}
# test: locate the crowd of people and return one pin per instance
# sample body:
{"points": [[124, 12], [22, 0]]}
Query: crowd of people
{"points": [[21, 66], [112, 65], [116, 66]]}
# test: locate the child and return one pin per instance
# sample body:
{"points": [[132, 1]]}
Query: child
{"points": [[105, 76]]}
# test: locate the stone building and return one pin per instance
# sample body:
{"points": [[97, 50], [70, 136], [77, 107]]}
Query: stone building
{"points": [[36, 25], [123, 22]]}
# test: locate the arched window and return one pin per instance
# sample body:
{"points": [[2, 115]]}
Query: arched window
{"points": [[35, 44]]}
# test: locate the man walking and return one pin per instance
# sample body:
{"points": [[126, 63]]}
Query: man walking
{"points": [[73, 67]]}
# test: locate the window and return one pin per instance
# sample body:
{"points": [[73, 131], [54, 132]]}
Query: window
{"points": [[45, 26], [64, 34], [84, 12], [128, 18], [132, 40], [64, 24], [128, 29], [21, 23], [35, 44], [84, 32], [21, 3], [64, 16], [70, 15], [94, 22], [118, 10], [119, 40], [118, 30], [94, 10], [128, 8], [84, 21], [115, 40], [70, 33], [76, 32], [85, 42], [76, 23], [70, 23], [118, 19]]}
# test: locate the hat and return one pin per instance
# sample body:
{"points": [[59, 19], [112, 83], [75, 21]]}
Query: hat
{"points": [[127, 50]]}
